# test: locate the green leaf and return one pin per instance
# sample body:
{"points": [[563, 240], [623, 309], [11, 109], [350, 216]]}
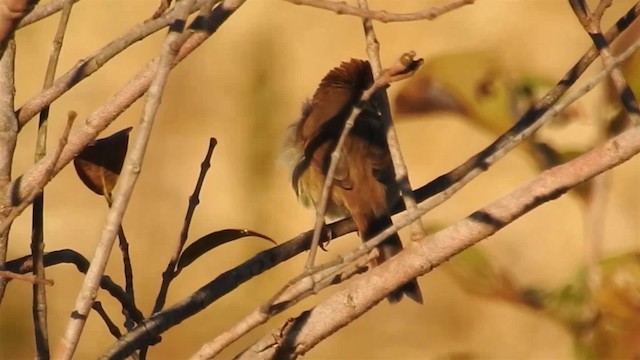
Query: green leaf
{"points": [[212, 241]]}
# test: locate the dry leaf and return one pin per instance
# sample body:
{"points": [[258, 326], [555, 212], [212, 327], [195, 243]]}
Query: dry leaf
{"points": [[100, 163]]}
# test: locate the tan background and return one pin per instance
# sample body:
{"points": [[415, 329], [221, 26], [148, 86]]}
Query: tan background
{"points": [[243, 87]]}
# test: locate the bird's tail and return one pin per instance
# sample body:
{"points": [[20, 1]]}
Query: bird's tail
{"points": [[386, 250]]}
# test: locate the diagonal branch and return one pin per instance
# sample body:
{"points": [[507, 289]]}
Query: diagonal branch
{"points": [[170, 272], [43, 11], [400, 168], [591, 22]]}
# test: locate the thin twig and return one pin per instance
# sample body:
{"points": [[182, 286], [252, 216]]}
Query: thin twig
{"points": [[25, 277], [43, 11], [129, 323], [342, 8], [8, 137], [24, 265], [170, 272], [128, 273], [399, 166], [128, 178], [403, 68], [113, 328], [48, 172], [306, 286], [594, 219], [92, 63], [591, 22], [39, 308]]}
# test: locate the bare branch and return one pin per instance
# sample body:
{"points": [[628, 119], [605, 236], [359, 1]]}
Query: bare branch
{"points": [[25, 277], [24, 265], [399, 166], [170, 272], [47, 175], [113, 328], [8, 137], [342, 8], [39, 308], [591, 22]]}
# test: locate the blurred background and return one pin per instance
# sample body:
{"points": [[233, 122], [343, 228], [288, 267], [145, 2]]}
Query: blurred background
{"points": [[244, 86]]}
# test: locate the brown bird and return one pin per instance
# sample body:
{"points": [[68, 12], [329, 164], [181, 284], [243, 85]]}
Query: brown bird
{"points": [[364, 185]]}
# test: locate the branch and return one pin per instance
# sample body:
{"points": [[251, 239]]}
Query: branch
{"points": [[301, 334], [127, 181], [170, 272], [399, 166], [8, 137], [591, 22], [4, 274], [24, 265], [47, 174], [113, 328], [39, 308], [342, 8]]}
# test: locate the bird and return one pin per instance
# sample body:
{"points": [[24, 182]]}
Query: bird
{"points": [[364, 185]]}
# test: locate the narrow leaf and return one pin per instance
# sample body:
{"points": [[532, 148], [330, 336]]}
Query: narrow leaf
{"points": [[212, 241]]}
